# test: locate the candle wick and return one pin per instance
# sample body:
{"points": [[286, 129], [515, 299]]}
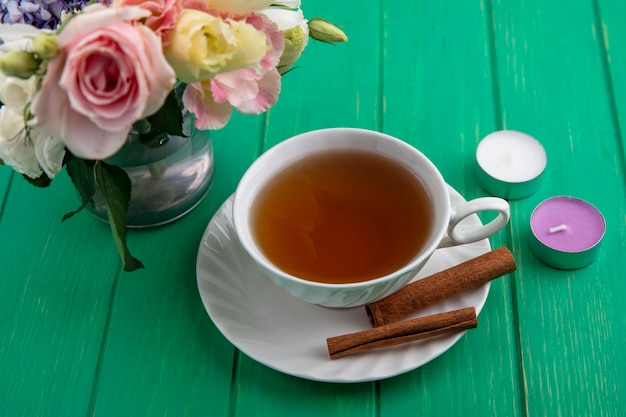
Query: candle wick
{"points": [[558, 228]]}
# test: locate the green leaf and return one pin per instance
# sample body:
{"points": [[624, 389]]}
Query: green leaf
{"points": [[167, 121], [72, 213], [80, 172], [114, 185], [169, 118], [142, 126], [42, 181]]}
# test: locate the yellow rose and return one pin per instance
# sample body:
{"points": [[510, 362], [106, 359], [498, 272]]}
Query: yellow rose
{"points": [[203, 45]]}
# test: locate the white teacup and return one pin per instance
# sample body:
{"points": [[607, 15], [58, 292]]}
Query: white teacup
{"points": [[444, 231]]}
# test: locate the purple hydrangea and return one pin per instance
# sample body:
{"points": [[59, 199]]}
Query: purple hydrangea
{"points": [[39, 13]]}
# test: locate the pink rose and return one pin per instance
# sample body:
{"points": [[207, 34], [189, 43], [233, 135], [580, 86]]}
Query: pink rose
{"points": [[163, 14], [109, 74]]}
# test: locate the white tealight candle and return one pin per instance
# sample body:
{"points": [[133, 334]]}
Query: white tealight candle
{"points": [[509, 164]]}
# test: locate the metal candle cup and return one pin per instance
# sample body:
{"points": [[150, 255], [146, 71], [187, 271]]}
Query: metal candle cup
{"points": [[566, 232], [509, 164]]}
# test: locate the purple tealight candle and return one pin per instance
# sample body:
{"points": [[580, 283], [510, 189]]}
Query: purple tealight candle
{"points": [[566, 232]]}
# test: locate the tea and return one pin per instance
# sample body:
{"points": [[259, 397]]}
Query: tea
{"points": [[342, 216]]}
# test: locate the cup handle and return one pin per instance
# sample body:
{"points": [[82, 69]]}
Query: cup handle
{"points": [[468, 234]]}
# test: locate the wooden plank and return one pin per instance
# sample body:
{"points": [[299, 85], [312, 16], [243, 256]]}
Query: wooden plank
{"points": [[181, 362], [55, 291], [438, 90], [6, 174], [78, 337], [332, 87], [612, 38], [263, 392], [161, 346], [553, 86], [45, 289], [235, 147]]}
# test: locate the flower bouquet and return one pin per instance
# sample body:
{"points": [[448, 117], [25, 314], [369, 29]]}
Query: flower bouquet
{"points": [[77, 78]]}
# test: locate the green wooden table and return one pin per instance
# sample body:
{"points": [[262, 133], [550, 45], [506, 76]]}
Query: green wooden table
{"points": [[80, 337]]}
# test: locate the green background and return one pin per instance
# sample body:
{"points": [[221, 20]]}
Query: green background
{"points": [[80, 337]]}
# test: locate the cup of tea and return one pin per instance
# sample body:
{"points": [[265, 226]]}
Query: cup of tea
{"points": [[342, 217]]}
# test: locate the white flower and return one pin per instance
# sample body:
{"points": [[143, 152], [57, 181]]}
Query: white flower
{"points": [[295, 31], [19, 36], [17, 93], [292, 4], [17, 57], [30, 152], [49, 151], [15, 149], [286, 18]]}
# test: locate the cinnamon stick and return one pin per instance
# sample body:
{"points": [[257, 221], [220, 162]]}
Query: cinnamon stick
{"points": [[402, 332], [438, 287]]}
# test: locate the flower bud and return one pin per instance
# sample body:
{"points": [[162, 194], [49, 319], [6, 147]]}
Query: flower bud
{"points": [[20, 64], [324, 31], [295, 41], [45, 46]]}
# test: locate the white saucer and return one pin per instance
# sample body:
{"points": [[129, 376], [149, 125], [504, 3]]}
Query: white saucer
{"points": [[289, 335]]}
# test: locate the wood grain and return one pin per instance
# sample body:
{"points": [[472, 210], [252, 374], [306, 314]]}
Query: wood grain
{"points": [[553, 86], [79, 337]]}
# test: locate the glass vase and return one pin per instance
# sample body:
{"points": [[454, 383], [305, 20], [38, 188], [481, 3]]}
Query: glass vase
{"points": [[168, 179]]}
